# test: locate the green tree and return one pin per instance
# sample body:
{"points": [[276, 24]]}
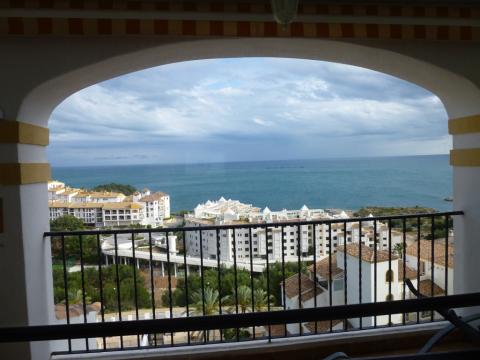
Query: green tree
{"points": [[398, 249], [231, 334], [67, 223], [210, 279], [114, 187], [261, 299], [109, 287], [72, 243], [244, 298], [207, 303]]}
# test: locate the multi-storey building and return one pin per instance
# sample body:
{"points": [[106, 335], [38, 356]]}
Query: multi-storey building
{"points": [[287, 241], [108, 208]]}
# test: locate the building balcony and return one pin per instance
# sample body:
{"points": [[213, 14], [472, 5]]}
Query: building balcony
{"points": [[123, 293]]}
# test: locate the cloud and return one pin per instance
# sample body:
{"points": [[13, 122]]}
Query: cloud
{"points": [[246, 109], [261, 122]]}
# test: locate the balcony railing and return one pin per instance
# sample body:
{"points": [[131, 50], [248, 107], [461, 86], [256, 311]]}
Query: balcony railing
{"points": [[143, 288]]}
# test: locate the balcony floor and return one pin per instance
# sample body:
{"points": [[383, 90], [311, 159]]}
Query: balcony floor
{"points": [[375, 342]]}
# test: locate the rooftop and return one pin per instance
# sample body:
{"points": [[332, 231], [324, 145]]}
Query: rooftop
{"points": [[307, 287], [368, 253], [157, 196], [323, 268], [409, 272], [74, 309], [425, 288], [439, 251]]}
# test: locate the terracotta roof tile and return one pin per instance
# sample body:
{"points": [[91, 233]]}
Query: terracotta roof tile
{"points": [[153, 197], [323, 268], [409, 272], [425, 288], [324, 326], [426, 251], [307, 287], [278, 331], [368, 253], [75, 309]]}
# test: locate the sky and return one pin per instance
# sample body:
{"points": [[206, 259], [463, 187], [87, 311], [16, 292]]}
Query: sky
{"points": [[245, 109]]}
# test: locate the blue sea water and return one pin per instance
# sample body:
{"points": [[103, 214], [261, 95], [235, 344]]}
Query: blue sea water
{"points": [[324, 183]]}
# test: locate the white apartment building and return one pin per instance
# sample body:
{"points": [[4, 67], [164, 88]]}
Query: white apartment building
{"points": [[389, 285], [108, 208], [280, 242]]}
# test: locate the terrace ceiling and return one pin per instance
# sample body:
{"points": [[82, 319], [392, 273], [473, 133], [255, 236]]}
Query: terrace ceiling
{"points": [[453, 21]]}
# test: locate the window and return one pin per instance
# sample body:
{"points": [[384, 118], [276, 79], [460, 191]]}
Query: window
{"points": [[422, 267], [389, 276], [338, 285]]}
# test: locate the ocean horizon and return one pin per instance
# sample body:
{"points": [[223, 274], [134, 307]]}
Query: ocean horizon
{"points": [[346, 183]]}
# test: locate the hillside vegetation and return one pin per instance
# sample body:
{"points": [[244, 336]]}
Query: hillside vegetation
{"points": [[114, 187], [390, 211]]}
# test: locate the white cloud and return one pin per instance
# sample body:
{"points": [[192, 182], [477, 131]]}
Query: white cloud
{"points": [[261, 122], [266, 103]]}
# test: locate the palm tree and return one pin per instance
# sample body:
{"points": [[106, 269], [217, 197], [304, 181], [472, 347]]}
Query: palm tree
{"points": [[244, 298], [261, 299], [399, 248], [76, 297], [207, 303]]}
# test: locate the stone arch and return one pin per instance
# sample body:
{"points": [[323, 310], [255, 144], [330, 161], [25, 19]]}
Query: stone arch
{"points": [[458, 94]]}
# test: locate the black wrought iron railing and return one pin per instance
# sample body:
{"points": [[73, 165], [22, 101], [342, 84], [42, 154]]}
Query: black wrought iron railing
{"points": [[202, 283]]}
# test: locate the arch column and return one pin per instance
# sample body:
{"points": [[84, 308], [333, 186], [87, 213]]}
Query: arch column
{"points": [[465, 159], [25, 256]]}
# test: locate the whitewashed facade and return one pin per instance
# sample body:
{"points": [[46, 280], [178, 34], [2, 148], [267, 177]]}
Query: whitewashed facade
{"points": [[296, 239], [108, 208], [386, 275]]}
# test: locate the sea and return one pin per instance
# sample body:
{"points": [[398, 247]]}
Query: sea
{"points": [[346, 183]]}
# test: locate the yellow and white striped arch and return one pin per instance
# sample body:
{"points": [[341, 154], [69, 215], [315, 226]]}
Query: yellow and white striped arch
{"points": [[19, 133], [465, 126]]}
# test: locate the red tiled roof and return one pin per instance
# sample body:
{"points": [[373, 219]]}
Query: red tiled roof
{"points": [[278, 330], [322, 268], [425, 288], [75, 309], [323, 326], [426, 251], [307, 287], [409, 272], [153, 197], [368, 253]]}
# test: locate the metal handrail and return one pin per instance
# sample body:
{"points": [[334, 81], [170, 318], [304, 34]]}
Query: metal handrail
{"points": [[251, 225], [241, 320]]}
